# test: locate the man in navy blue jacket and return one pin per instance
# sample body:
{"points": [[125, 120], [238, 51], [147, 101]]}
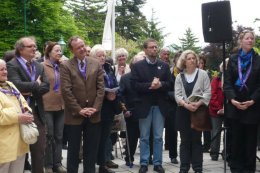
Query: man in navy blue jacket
{"points": [[152, 80]]}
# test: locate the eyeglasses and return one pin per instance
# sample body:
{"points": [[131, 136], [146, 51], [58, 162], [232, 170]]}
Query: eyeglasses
{"points": [[31, 46], [152, 47]]}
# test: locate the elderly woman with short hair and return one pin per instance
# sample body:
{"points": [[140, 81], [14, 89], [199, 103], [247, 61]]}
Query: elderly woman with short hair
{"points": [[121, 67], [191, 81], [109, 109], [13, 112]]}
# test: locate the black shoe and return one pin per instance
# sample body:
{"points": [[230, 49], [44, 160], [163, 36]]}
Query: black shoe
{"points": [[105, 170], [158, 168], [214, 158], [198, 172], [111, 164], [174, 161], [27, 166], [183, 171], [143, 169]]}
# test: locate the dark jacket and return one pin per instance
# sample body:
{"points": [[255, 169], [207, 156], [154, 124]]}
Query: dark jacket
{"points": [[128, 95], [17, 74], [142, 77], [250, 115], [110, 108]]}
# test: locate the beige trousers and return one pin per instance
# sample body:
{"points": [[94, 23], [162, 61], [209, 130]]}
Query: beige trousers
{"points": [[16, 166]]}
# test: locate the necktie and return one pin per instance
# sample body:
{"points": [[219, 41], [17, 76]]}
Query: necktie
{"points": [[29, 66], [81, 64]]}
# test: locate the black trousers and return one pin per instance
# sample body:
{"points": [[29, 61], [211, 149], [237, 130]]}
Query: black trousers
{"points": [[37, 149], [104, 136], [91, 137], [191, 150], [171, 136], [133, 135], [243, 147], [206, 140]]}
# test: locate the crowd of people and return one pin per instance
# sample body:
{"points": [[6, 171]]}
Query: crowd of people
{"points": [[82, 95]]}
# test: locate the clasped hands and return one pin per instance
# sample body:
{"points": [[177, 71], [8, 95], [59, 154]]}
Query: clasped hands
{"points": [[87, 112], [25, 118], [155, 83], [242, 105], [192, 106]]}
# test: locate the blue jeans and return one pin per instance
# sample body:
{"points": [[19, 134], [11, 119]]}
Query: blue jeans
{"points": [[156, 120]]}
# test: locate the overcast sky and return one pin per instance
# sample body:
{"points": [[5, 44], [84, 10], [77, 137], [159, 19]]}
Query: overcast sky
{"points": [[177, 16]]}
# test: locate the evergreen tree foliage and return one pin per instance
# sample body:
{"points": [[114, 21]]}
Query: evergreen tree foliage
{"points": [[154, 31], [189, 41], [130, 22], [91, 15]]}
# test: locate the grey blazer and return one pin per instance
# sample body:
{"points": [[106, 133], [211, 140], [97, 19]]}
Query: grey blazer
{"points": [[202, 87], [22, 81]]}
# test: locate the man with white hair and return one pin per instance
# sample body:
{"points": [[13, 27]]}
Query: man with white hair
{"points": [[165, 55]]}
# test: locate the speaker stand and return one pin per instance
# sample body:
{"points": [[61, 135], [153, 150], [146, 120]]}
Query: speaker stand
{"points": [[224, 105]]}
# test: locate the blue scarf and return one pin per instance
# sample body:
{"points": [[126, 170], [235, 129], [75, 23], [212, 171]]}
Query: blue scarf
{"points": [[244, 68]]}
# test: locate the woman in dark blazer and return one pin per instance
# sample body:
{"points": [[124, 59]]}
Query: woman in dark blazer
{"points": [[109, 109], [242, 89]]}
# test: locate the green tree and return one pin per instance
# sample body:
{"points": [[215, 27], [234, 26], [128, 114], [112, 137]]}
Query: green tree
{"points": [[130, 22], [91, 14], [11, 24], [154, 31], [46, 20], [189, 41], [130, 45]]}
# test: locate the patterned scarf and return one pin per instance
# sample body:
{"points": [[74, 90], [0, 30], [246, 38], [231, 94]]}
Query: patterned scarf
{"points": [[244, 68]]}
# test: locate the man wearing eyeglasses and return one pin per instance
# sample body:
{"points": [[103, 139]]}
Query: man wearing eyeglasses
{"points": [[152, 80], [28, 76]]}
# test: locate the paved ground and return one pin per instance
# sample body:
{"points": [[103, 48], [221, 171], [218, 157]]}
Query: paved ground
{"points": [[209, 166]]}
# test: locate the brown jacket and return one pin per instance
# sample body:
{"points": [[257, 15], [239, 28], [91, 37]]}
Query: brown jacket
{"points": [[78, 92], [52, 101]]}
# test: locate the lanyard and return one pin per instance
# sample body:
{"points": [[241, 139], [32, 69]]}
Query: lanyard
{"points": [[244, 78]]}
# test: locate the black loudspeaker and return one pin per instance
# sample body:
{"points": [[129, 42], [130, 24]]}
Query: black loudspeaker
{"points": [[216, 21]]}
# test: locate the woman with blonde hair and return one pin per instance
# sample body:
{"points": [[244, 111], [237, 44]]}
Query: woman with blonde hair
{"points": [[242, 89], [192, 81]]}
